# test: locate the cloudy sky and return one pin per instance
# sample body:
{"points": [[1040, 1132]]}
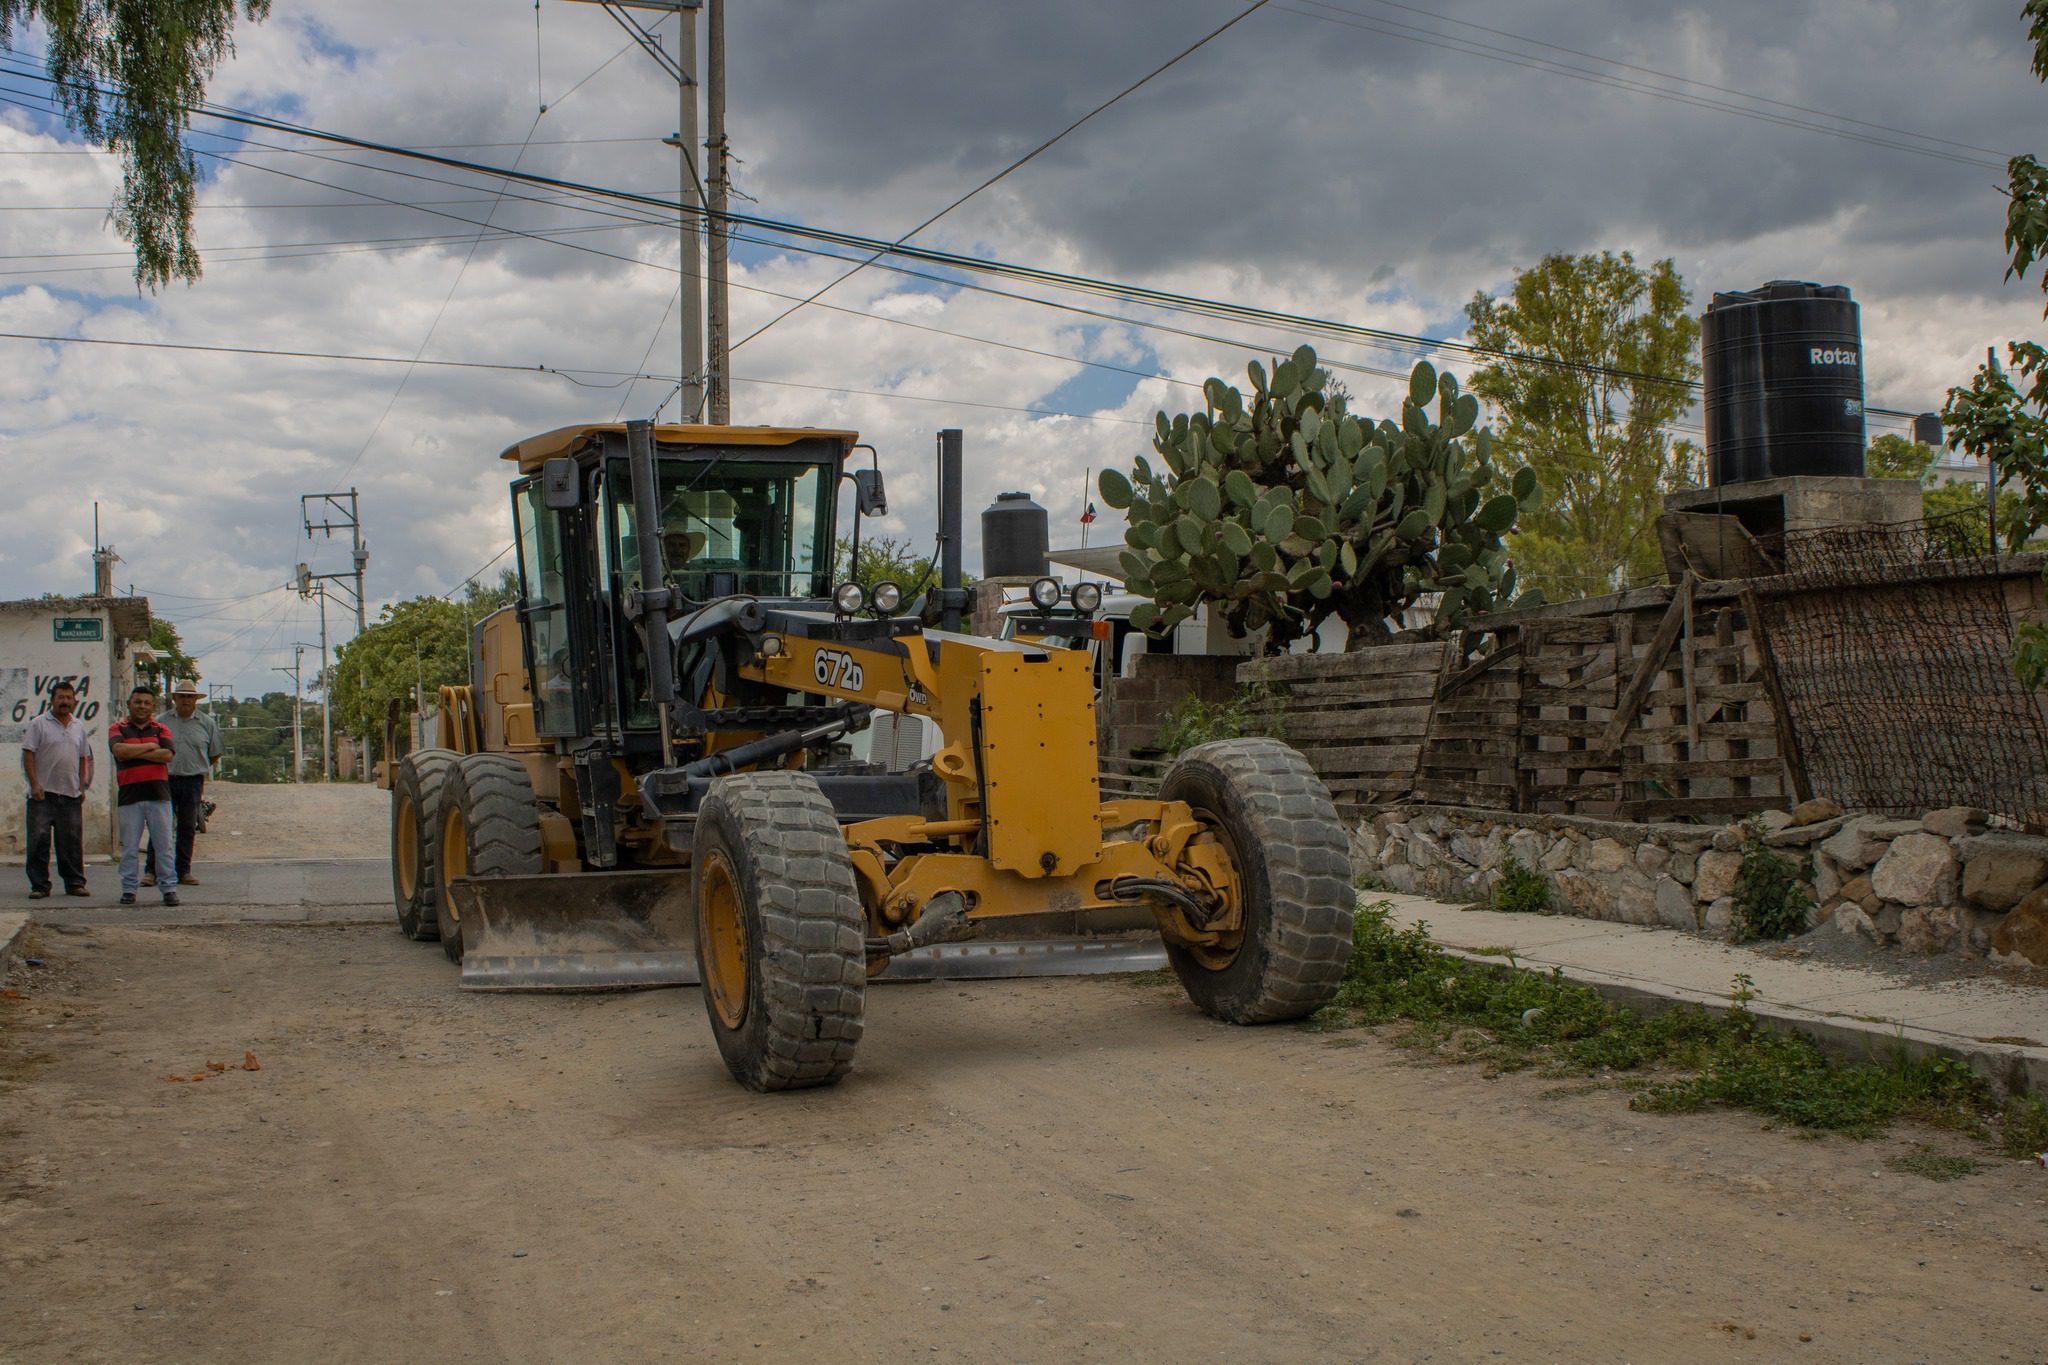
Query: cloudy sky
{"points": [[1359, 160]]}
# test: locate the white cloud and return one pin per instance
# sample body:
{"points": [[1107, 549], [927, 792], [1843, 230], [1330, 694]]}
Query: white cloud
{"points": [[1334, 166]]}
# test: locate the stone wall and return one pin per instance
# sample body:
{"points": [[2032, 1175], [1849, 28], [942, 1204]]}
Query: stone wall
{"points": [[1941, 883]]}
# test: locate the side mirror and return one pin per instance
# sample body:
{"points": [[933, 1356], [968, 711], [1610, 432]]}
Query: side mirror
{"points": [[560, 489], [870, 499]]}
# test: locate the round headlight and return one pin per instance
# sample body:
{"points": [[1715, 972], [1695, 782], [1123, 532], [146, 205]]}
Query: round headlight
{"points": [[849, 598], [1087, 596], [770, 646], [1045, 594], [888, 597]]}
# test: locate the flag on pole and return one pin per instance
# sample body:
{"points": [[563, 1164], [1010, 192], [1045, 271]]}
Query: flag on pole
{"points": [[1088, 517]]}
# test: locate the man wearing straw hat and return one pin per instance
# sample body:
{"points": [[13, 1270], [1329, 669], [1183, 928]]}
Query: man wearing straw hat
{"points": [[195, 748]]}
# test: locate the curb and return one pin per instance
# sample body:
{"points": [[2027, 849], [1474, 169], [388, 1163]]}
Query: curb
{"points": [[13, 924], [2011, 1067]]}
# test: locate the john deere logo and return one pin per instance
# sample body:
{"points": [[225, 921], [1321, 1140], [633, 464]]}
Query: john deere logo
{"points": [[1821, 356]]}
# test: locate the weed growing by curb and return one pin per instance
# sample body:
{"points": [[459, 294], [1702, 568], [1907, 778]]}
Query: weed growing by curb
{"points": [[1521, 890], [1772, 893], [1924, 1160], [1682, 1060]]}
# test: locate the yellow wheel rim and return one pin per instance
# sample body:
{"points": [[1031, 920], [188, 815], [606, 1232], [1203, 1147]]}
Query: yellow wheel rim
{"points": [[454, 860], [1219, 955], [723, 932], [408, 851]]}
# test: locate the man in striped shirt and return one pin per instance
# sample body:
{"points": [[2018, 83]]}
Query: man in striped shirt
{"points": [[142, 754]]}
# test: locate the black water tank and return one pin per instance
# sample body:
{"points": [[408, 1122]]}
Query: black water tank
{"points": [[1927, 429], [1784, 382], [1014, 538]]}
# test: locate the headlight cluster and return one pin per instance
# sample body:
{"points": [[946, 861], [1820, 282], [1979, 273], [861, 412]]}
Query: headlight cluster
{"points": [[1047, 593], [849, 599]]}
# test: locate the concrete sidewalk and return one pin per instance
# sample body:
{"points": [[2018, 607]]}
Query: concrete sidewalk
{"points": [[2000, 1029], [274, 891]]}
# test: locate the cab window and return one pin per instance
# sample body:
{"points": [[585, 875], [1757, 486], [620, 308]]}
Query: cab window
{"points": [[544, 611]]}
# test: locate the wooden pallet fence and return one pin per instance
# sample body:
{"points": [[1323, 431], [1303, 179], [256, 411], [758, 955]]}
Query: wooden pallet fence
{"points": [[1659, 710], [1359, 718]]}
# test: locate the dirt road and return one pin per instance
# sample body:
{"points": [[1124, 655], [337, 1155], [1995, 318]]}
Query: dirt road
{"points": [[1080, 1169]]}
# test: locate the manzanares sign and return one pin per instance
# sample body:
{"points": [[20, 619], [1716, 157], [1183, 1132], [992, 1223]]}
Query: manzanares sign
{"points": [[64, 628]]}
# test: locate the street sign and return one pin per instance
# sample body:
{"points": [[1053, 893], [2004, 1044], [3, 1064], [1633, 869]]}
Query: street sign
{"points": [[75, 628]]}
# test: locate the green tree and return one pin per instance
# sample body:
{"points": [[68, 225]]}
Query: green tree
{"points": [[1993, 418], [128, 74], [883, 559], [171, 662], [421, 643], [1281, 508], [1601, 352], [1895, 457]]}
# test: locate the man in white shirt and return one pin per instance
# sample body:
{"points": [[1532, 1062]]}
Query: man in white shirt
{"points": [[56, 758]]}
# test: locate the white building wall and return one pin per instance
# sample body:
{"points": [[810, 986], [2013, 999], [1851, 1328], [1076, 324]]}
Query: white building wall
{"points": [[31, 661]]}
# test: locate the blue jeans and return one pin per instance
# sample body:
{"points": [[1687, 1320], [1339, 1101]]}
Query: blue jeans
{"points": [[156, 817]]}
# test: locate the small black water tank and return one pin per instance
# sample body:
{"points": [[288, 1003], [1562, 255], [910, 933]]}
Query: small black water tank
{"points": [[1784, 382], [1014, 538], [1927, 429]]}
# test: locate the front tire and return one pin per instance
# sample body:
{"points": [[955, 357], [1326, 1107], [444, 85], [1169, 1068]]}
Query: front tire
{"points": [[1274, 817], [417, 796], [779, 931], [490, 827]]}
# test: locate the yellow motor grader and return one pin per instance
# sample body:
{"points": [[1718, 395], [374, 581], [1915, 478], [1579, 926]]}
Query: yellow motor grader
{"points": [[644, 781]]}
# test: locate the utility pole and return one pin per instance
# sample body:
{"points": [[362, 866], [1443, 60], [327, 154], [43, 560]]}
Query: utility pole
{"points": [[718, 329], [1991, 466], [332, 507], [682, 68], [298, 714]]}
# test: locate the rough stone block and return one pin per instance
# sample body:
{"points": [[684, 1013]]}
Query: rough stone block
{"points": [[1888, 918], [1930, 929], [1583, 896], [1684, 866], [1559, 856], [1775, 820], [1827, 879], [2000, 873], [1716, 877], [1918, 869], [1728, 840], [1851, 921], [1603, 855], [1800, 836], [2023, 934], [1653, 858], [1635, 905], [1857, 889], [1720, 917], [1527, 846], [1674, 905], [1953, 822], [1813, 812]]}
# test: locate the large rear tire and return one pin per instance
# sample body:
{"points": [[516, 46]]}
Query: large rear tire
{"points": [[417, 793], [1265, 805], [490, 827], [779, 931]]}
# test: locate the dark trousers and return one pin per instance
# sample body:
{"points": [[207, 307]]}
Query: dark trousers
{"points": [[63, 818], [186, 793]]}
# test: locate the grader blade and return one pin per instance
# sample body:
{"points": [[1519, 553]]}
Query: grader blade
{"points": [[622, 931], [585, 931]]}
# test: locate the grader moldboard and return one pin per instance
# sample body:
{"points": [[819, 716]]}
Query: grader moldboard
{"points": [[638, 785]]}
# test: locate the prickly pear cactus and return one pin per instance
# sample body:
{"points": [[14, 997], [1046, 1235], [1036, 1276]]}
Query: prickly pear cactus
{"points": [[1280, 508]]}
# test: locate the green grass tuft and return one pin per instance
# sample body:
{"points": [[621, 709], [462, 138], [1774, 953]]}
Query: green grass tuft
{"points": [[1682, 1060], [1521, 890]]}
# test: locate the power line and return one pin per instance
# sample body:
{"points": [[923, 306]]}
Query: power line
{"points": [[1143, 296]]}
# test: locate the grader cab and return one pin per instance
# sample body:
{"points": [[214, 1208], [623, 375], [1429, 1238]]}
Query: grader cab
{"points": [[644, 782]]}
